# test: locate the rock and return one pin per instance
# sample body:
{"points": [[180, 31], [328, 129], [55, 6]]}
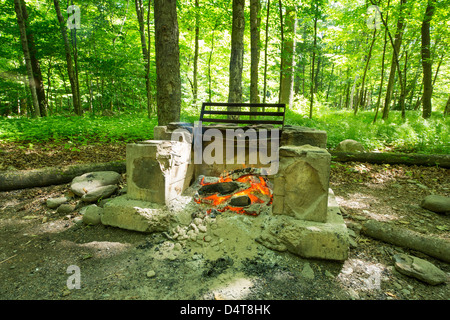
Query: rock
{"points": [[88, 182], [54, 203], [99, 193], [136, 215], [307, 272], [151, 274], [92, 215], [350, 145], [436, 203], [66, 208], [419, 269]]}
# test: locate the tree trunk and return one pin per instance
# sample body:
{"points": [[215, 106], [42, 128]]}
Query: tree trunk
{"points": [[312, 66], [255, 22], [237, 53], [196, 49], [447, 108], [287, 57], [426, 60], [396, 49], [393, 158], [26, 53], [168, 79], [209, 63], [21, 179], [265, 51], [37, 74], [369, 55], [145, 50], [70, 68], [329, 82], [385, 231]]}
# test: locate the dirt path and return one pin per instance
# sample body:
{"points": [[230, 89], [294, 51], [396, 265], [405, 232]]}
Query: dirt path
{"points": [[38, 246]]}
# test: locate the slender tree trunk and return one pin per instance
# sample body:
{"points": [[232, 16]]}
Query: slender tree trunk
{"points": [[312, 66], [329, 82], [403, 93], [237, 53], [447, 108], [255, 22], [396, 49], [168, 81], [280, 11], [426, 60], [209, 64], [26, 53], [70, 68], [369, 55], [145, 51], [37, 74], [266, 41], [287, 57], [196, 49]]}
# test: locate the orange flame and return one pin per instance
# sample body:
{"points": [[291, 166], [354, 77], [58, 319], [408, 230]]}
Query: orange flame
{"points": [[258, 190]]}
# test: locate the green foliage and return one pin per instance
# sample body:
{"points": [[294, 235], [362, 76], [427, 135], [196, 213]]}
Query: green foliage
{"points": [[73, 129], [415, 134]]}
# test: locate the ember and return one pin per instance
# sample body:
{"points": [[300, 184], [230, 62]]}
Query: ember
{"points": [[243, 191]]}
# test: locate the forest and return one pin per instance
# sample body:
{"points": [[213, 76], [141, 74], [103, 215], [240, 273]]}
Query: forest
{"points": [[377, 70], [88, 213]]}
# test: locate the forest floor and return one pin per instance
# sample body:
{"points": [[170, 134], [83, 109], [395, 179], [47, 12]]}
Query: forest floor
{"points": [[38, 245]]}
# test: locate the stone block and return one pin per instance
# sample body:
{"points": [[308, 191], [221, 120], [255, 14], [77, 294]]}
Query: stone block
{"points": [[136, 215], [309, 239], [303, 179], [181, 134], [157, 170], [298, 136]]}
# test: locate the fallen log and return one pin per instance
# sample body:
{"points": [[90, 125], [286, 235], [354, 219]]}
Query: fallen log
{"points": [[441, 160], [22, 179], [387, 232]]}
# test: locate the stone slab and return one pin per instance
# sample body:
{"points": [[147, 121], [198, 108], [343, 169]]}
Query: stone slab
{"points": [[137, 215], [302, 180], [158, 170], [328, 240]]}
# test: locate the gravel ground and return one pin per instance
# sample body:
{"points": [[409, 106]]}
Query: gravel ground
{"points": [[39, 247]]}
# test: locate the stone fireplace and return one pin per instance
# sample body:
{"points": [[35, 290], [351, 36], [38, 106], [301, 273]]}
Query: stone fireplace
{"points": [[281, 176]]}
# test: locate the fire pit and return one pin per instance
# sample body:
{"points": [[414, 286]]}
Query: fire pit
{"points": [[243, 191], [280, 178]]}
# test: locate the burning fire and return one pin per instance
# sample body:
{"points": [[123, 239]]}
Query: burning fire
{"points": [[258, 192]]}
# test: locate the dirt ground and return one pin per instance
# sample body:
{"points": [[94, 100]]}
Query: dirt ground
{"points": [[39, 246]]}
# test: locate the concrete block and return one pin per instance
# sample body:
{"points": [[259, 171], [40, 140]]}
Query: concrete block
{"points": [[298, 136], [136, 215], [304, 178], [157, 170], [320, 240]]}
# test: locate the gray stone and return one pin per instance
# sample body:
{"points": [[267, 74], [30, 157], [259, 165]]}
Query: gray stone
{"points": [[66, 208], [301, 184], [99, 193], [92, 215], [298, 136], [350, 145], [88, 182], [137, 215], [157, 170], [309, 239], [419, 269], [436, 203], [307, 272], [54, 203]]}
